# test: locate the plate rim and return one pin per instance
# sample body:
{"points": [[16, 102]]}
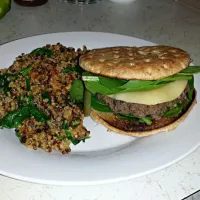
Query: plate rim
{"points": [[99, 182]]}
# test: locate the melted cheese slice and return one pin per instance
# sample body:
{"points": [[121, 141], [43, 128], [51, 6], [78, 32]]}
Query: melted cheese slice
{"points": [[166, 93]]}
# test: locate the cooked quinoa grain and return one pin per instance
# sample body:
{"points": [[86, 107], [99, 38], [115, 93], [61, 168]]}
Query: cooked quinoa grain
{"points": [[36, 98]]}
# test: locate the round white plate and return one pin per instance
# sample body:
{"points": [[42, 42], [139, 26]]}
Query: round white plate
{"points": [[107, 156]]}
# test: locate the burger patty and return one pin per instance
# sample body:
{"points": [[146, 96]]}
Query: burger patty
{"points": [[142, 110]]}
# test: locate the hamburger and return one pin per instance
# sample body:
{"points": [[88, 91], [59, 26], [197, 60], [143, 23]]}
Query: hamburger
{"points": [[139, 91]]}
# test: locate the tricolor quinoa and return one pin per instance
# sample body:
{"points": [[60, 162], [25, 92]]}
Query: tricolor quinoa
{"points": [[36, 98]]}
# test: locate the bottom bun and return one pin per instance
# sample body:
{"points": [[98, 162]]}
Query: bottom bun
{"points": [[113, 123]]}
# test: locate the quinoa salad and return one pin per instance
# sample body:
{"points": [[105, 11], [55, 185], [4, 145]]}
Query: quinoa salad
{"points": [[41, 97]]}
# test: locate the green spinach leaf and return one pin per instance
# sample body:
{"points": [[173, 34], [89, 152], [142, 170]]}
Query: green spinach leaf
{"points": [[104, 85], [69, 135], [42, 51], [16, 117], [127, 117], [146, 120], [5, 80], [46, 95], [190, 70], [111, 82], [96, 104], [19, 135], [37, 114], [28, 84], [76, 122], [70, 69], [176, 110], [25, 72]]}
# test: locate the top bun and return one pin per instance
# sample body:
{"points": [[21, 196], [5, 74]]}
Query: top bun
{"points": [[141, 63]]}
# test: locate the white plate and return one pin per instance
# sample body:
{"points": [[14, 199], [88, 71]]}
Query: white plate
{"points": [[107, 156]]}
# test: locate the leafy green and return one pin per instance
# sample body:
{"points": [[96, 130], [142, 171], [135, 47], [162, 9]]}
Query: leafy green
{"points": [[190, 70], [176, 110], [69, 135], [60, 137], [30, 100], [16, 117], [111, 82], [93, 84], [76, 122], [85, 138], [146, 120], [96, 104], [77, 90], [104, 85], [5, 80], [25, 72], [46, 95], [25, 100], [19, 135], [127, 117], [96, 87], [42, 51], [37, 114], [70, 69], [28, 84], [65, 125]]}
